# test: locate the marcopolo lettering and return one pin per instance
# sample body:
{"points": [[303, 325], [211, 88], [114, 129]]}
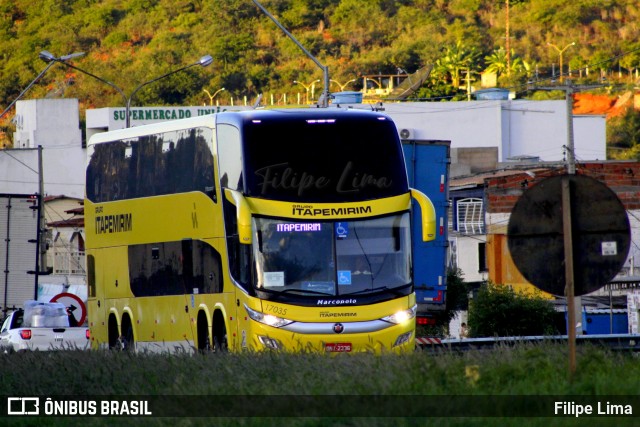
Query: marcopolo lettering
{"points": [[337, 301], [114, 223]]}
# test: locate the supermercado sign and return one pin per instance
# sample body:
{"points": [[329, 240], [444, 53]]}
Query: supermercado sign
{"points": [[115, 118], [159, 114]]}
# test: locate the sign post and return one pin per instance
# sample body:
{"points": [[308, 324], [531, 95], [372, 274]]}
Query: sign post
{"points": [[564, 221], [567, 225]]}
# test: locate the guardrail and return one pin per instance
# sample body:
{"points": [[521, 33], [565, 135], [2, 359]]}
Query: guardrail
{"points": [[618, 342]]}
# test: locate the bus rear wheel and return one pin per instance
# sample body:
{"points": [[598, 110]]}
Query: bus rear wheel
{"points": [[114, 337], [204, 340], [126, 341], [219, 334]]}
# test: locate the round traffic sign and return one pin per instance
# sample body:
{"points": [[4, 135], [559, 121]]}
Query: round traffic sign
{"points": [[600, 230], [76, 308]]}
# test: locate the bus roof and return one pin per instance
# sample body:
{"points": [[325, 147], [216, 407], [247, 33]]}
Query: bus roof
{"points": [[232, 117]]}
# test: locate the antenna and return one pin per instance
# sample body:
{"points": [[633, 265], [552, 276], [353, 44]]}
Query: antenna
{"points": [[258, 101], [324, 98]]}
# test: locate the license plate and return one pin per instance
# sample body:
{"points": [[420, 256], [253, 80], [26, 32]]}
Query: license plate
{"points": [[340, 347]]}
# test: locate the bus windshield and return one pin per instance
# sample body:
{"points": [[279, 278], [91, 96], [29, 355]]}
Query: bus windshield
{"points": [[332, 258]]}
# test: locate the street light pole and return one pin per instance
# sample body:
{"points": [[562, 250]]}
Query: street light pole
{"points": [[560, 52], [41, 253], [212, 96], [34, 81], [324, 99], [51, 59], [342, 86], [307, 87], [203, 62]]}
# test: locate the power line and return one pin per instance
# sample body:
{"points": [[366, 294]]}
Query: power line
{"points": [[19, 161]]}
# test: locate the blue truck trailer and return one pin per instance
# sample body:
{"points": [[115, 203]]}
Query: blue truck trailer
{"points": [[428, 169]]}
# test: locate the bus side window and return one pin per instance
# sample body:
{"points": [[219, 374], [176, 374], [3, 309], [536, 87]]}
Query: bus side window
{"points": [[208, 268], [187, 265], [230, 157], [212, 264]]}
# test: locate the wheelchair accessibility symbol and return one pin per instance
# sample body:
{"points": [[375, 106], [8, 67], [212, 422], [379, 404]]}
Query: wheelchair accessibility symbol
{"points": [[344, 277], [342, 229]]}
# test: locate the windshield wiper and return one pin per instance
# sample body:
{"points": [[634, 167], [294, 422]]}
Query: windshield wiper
{"points": [[291, 290], [396, 290]]}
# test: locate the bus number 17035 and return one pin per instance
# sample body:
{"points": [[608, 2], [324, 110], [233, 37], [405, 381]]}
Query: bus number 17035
{"points": [[275, 309]]}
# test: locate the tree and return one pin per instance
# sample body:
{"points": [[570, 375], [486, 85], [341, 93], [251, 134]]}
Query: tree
{"points": [[497, 63], [456, 59], [497, 310], [128, 41], [623, 133]]}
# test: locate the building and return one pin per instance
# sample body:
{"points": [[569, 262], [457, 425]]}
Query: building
{"points": [[64, 218], [54, 125], [516, 128], [481, 207]]}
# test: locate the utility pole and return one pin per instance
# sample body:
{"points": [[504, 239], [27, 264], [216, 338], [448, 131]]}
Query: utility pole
{"points": [[569, 89], [507, 44], [468, 84], [41, 246], [574, 304]]}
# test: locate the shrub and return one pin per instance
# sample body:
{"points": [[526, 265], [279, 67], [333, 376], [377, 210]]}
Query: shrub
{"points": [[498, 310]]}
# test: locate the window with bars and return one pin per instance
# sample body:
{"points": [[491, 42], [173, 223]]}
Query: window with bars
{"points": [[470, 216]]}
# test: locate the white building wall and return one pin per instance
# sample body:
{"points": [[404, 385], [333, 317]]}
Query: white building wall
{"points": [[54, 125], [516, 128], [465, 124], [535, 129], [587, 130], [467, 251]]}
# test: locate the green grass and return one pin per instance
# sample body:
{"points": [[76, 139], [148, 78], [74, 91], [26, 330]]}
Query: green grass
{"points": [[389, 386]]}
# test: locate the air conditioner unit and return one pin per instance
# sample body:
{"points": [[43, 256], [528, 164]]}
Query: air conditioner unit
{"points": [[407, 133]]}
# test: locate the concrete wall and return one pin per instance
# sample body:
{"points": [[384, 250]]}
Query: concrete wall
{"points": [[54, 124], [472, 160]]}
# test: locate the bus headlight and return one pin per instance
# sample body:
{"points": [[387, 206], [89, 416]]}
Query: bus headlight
{"points": [[402, 316], [267, 319]]}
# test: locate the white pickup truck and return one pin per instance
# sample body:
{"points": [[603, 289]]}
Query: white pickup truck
{"points": [[42, 326]]}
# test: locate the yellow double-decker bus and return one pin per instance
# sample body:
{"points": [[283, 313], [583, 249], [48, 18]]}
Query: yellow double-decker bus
{"points": [[282, 230]]}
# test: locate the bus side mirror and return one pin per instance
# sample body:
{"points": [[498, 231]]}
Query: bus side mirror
{"points": [[243, 215], [428, 215]]}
